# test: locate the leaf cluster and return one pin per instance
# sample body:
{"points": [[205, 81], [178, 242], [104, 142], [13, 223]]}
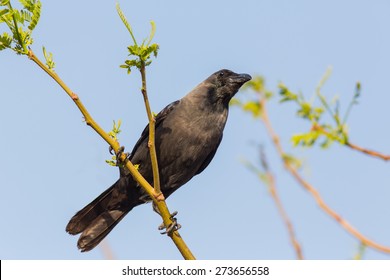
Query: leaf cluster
{"points": [[49, 59], [328, 132], [141, 54], [21, 23]]}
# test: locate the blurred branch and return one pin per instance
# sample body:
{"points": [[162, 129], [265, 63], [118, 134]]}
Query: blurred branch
{"points": [[270, 180], [368, 152], [360, 252], [315, 194], [106, 250]]}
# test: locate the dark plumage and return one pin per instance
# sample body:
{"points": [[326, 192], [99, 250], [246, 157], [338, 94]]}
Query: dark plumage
{"points": [[188, 133]]}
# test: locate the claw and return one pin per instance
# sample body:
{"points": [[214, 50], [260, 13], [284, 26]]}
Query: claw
{"points": [[120, 151], [172, 227], [119, 155], [110, 150]]}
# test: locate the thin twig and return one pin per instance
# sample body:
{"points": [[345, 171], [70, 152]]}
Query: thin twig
{"points": [[151, 143], [283, 213], [321, 203], [106, 250], [162, 207], [368, 151]]}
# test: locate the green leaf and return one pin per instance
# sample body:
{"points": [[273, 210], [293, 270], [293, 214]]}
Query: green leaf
{"points": [[305, 139], [152, 32], [326, 143], [125, 22], [49, 59], [3, 13], [5, 41], [286, 94], [36, 14], [305, 110], [292, 160], [256, 84], [235, 102], [4, 2], [353, 102], [28, 4], [253, 107], [324, 78], [154, 49], [115, 130]]}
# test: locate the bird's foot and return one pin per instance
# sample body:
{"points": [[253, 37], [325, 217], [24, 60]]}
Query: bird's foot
{"points": [[118, 154], [172, 227]]}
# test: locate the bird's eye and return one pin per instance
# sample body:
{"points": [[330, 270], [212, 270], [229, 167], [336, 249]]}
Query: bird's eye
{"points": [[221, 74]]}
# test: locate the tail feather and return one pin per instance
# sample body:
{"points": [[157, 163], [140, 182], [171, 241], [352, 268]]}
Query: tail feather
{"points": [[99, 217], [81, 220], [99, 229]]}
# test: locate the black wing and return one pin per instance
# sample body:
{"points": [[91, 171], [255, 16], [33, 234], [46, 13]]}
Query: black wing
{"points": [[159, 118], [209, 158]]}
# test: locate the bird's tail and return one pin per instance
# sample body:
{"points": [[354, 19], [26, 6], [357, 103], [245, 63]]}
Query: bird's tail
{"points": [[99, 217]]}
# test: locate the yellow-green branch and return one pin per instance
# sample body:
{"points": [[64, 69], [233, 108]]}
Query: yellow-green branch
{"points": [[151, 143], [161, 205]]}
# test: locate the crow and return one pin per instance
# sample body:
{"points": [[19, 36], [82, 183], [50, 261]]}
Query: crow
{"points": [[187, 135]]}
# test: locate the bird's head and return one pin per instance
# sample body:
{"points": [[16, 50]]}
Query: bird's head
{"points": [[224, 84]]}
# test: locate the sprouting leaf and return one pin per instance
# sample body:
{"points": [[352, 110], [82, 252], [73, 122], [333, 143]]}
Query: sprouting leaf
{"points": [[252, 107], [353, 102], [268, 94], [326, 143], [152, 32], [28, 4], [324, 78], [36, 14], [292, 160], [115, 130], [305, 139], [305, 110], [286, 94], [49, 59], [235, 102], [125, 22], [2, 14], [112, 162], [4, 2], [256, 84], [5, 41]]}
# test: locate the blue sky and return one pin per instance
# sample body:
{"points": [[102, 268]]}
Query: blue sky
{"points": [[52, 164]]}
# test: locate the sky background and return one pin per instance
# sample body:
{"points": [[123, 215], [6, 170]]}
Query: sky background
{"points": [[52, 164]]}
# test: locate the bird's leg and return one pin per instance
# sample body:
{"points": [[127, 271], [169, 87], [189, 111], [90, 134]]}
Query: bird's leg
{"points": [[118, 154], [172, 227]]}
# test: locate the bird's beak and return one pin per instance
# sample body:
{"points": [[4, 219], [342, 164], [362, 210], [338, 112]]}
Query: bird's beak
{"points": [[241, 78]]}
